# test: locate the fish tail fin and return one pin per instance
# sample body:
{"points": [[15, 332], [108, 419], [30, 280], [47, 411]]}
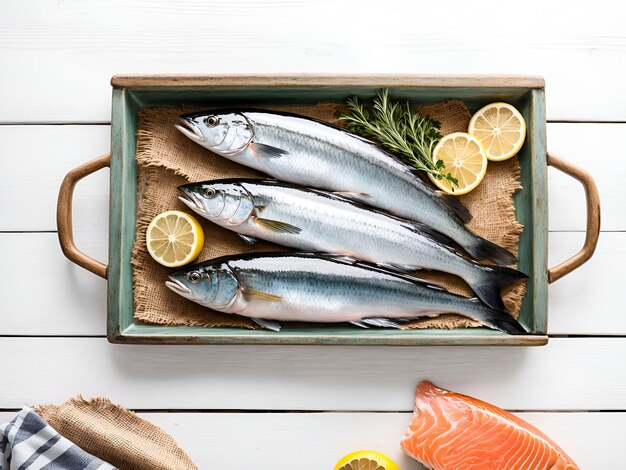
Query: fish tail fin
{"points": [[491, 281], [455, 206], [482, 249], [500, 320]]}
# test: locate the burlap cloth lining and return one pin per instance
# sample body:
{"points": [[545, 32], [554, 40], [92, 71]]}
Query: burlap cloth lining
{"points": [[167, 159], [116, 435]]}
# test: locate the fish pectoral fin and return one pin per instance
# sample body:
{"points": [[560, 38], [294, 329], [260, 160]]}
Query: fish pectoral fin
{"points": [[381, 322], [260, 295], [277, 226], [267, 150], [248, 239], [360, 324], [267, 324], [354, 196]]}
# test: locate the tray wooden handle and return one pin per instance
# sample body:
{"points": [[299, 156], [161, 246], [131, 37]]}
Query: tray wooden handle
{"points": [[64, 215], [593, 218]]}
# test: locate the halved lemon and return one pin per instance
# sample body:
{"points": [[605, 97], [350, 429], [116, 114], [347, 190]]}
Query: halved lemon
{"points": [[464, 158], [366, 460], [500, 128], [174, 238]]}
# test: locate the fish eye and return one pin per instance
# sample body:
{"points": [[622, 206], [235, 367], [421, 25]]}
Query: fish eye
{"points": [[194, 277], [212, 121], [209, 192]]}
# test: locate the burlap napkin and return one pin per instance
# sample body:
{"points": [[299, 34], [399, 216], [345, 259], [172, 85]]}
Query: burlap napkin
{"points": [[115, 435], [167, 159]]}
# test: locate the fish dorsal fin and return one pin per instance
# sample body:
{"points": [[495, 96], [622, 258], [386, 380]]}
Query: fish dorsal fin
{"points": [[268, 151], [261, 295], [267, 324], [431, 233], [422, 282], [455, 206], [406, 275], [336, 257], [399, 268], [277, 226], [401, 271]]}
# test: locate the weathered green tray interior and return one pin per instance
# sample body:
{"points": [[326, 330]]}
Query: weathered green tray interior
{"points": [[531, 209]]}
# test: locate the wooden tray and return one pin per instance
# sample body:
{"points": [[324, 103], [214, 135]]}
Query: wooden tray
{"points": [[131, 93]]}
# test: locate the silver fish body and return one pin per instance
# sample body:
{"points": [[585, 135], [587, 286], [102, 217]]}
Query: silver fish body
{"points": [[312, 153], [272, 288], [316, 221]]}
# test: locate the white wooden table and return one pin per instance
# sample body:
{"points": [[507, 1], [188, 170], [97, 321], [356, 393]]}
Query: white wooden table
{"points": [[268, 407]]}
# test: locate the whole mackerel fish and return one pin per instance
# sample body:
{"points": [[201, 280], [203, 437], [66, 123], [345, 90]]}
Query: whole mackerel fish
{"points": [[312, 153], [317, 221], [270, 288]]}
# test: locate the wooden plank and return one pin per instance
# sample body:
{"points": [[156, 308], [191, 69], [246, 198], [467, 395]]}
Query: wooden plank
{"points": [[588, 301], [44, 293], [89, 45], [57, 149], [34, 161], [596, 148], [338, 378], [72, 301], [314, 441]]}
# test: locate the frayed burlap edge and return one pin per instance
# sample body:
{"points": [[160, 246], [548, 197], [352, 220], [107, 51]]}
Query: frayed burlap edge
{"points": [[116, 435]]}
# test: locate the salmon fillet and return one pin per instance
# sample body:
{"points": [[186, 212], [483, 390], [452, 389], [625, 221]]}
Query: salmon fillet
{"points": [[450, 431]]}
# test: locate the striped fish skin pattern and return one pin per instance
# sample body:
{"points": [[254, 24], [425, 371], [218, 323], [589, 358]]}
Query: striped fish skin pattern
{"points": [[450, 431], [321, 288], [28, 443], [317, 221], [312, 153]]}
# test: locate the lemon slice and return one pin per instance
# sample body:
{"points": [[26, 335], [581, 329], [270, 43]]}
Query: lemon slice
{"points": [[500, 128], [366, 460], [174, 238], [465, 159]]}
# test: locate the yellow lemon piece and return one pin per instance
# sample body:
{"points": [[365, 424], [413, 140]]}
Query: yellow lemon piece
{"points": [[366, 460], [465, 159], [174, 238], [500, 128]]}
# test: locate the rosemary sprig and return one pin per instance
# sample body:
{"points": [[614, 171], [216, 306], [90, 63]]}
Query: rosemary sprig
{"points": [[399, 129]]}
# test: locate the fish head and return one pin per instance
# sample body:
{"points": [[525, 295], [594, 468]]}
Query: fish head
{"points": [[225, 133], [222, 202], [211, 285]]}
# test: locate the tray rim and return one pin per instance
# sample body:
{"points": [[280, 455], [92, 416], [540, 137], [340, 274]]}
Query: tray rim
{"points": [[309, 79], [117, 332]]}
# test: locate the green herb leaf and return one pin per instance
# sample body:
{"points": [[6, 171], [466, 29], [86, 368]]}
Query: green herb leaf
{"points": [[399, 129]]}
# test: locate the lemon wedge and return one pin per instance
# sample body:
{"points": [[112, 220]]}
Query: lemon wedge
{"points": [[464, 158], [366, 460], [500, 128], [174, 238]]}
